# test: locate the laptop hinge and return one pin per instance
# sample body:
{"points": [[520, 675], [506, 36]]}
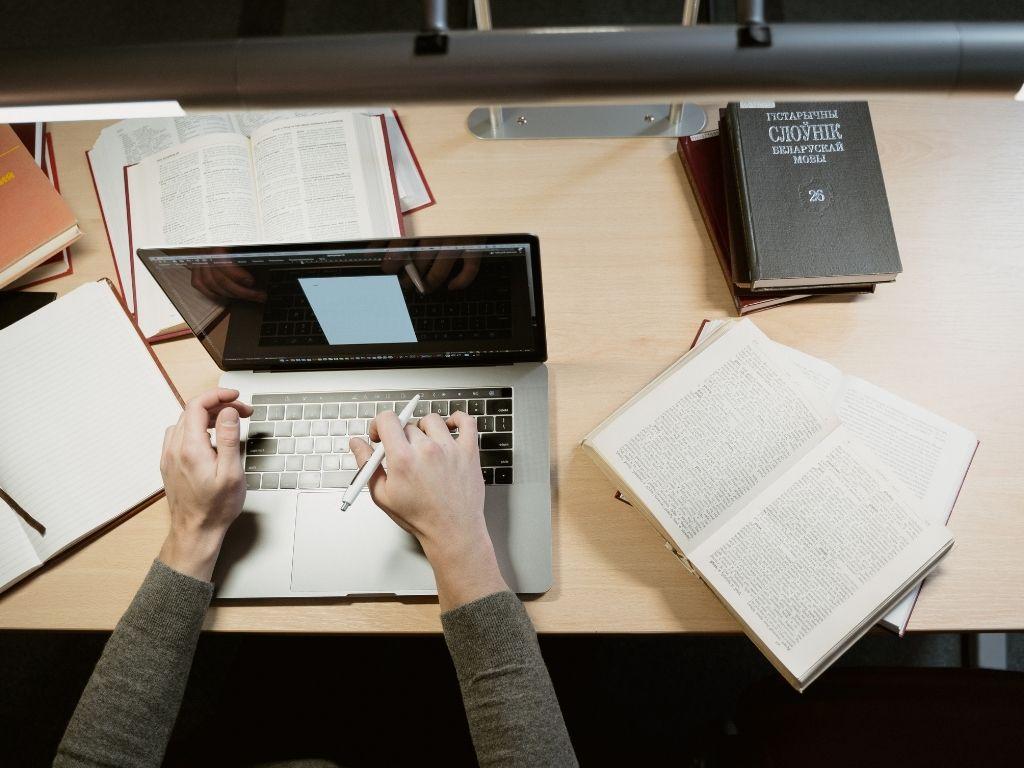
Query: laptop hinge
{"points": [[385, 368]]}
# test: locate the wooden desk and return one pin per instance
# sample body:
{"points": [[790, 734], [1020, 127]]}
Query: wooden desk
{"points": [[629, 274]]}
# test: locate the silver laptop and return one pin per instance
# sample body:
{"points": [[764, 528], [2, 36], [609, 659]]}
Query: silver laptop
{"points": [[322, 337]]}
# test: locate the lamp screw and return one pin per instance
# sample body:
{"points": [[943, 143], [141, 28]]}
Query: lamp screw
{"points": [[648, 118], [521, 120]]}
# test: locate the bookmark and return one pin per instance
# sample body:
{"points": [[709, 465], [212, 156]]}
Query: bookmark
{"points": [[22, 513]]}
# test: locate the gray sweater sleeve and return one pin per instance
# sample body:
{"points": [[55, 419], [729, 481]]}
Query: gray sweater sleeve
{"points": [[513, 713], [130, 703]]}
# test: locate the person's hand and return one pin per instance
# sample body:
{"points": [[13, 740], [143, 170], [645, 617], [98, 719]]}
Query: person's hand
{"points": [[205, 486], [434, 489], [434, 268], [226, 281]]}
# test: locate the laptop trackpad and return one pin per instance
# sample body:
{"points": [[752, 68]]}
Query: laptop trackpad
{"points": [[359, 551]]}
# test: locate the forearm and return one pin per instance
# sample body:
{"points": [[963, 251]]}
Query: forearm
{"points": [[511, 706], [127, 711], [465, 569]]}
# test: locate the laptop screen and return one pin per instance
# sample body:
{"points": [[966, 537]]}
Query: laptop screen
{"points": [[360, 304]]}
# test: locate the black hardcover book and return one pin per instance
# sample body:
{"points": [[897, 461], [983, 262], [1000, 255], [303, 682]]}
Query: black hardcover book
{"points": [[811, 200], [737, 246]]}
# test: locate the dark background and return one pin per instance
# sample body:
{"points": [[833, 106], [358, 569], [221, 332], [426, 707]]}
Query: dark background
{"points": [[627, 700], [112, 22], [635, 700]]}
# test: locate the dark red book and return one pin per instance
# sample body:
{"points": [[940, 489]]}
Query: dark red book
{"points": [[701, 158]]}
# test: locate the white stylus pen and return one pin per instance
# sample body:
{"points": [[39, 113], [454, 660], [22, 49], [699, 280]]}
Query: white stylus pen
{"points": [[364, 475], [414, 275]]}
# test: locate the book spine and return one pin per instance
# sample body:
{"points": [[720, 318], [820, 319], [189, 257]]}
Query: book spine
{"points": [[737, 258], [705, 216], [747, 269]]}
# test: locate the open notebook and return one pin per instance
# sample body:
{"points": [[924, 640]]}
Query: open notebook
{"points": [[85, 406], [760, 489]]}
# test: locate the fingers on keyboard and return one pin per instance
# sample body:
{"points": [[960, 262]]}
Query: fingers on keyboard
{"points": [[306, 444]]}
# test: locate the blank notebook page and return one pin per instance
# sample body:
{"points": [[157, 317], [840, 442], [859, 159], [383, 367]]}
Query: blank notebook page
{"points": [[85, 408], [17, 555]]}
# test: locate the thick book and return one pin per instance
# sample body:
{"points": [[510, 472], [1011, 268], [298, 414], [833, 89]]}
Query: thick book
{"points": [[60, 264], [131, 141], [68, 471], [317, 178], [811, 207], [37, 223], [700, 155], [925, 453], [760, 490]]}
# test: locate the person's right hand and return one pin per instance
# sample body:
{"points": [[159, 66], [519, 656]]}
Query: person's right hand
{"points": [[434, 489], [435, 267], [226, 281]]}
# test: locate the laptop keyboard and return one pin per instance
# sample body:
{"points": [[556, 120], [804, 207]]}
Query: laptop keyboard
{"points": [[300, 440]]}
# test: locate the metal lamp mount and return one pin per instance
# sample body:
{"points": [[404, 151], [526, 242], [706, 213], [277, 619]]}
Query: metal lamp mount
{"points": [[597, 121]]}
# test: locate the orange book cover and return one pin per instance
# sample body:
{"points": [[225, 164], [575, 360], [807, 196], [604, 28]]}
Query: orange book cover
{"points": [[35, 222]]}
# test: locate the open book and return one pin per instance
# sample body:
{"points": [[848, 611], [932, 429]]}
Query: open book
{"points": [[925, 453], [758, 487], [86, 404], [324, 177], [131, 141]]}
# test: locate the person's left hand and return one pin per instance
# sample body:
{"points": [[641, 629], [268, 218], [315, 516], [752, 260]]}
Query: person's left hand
{"points": [[205, 486]]}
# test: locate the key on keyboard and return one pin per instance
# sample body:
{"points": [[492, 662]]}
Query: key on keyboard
{"points": [[300, 440]]}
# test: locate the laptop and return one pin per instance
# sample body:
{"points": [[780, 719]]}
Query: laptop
{"points": [[320, 338]]}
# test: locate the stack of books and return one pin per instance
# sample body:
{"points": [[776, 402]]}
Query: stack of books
{"points": [[793, 199], [232, 178], [811, 502], [36, 225]]}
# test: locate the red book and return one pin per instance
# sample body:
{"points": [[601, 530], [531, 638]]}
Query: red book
{"points": [[37, 223], [701, 158], [58, 265]]}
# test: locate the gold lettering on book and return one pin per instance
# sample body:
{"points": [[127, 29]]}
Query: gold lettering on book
{"points": [[9, 176]]}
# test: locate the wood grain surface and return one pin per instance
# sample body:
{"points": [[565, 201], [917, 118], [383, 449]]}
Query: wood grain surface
{"points": [[629, 274]]}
